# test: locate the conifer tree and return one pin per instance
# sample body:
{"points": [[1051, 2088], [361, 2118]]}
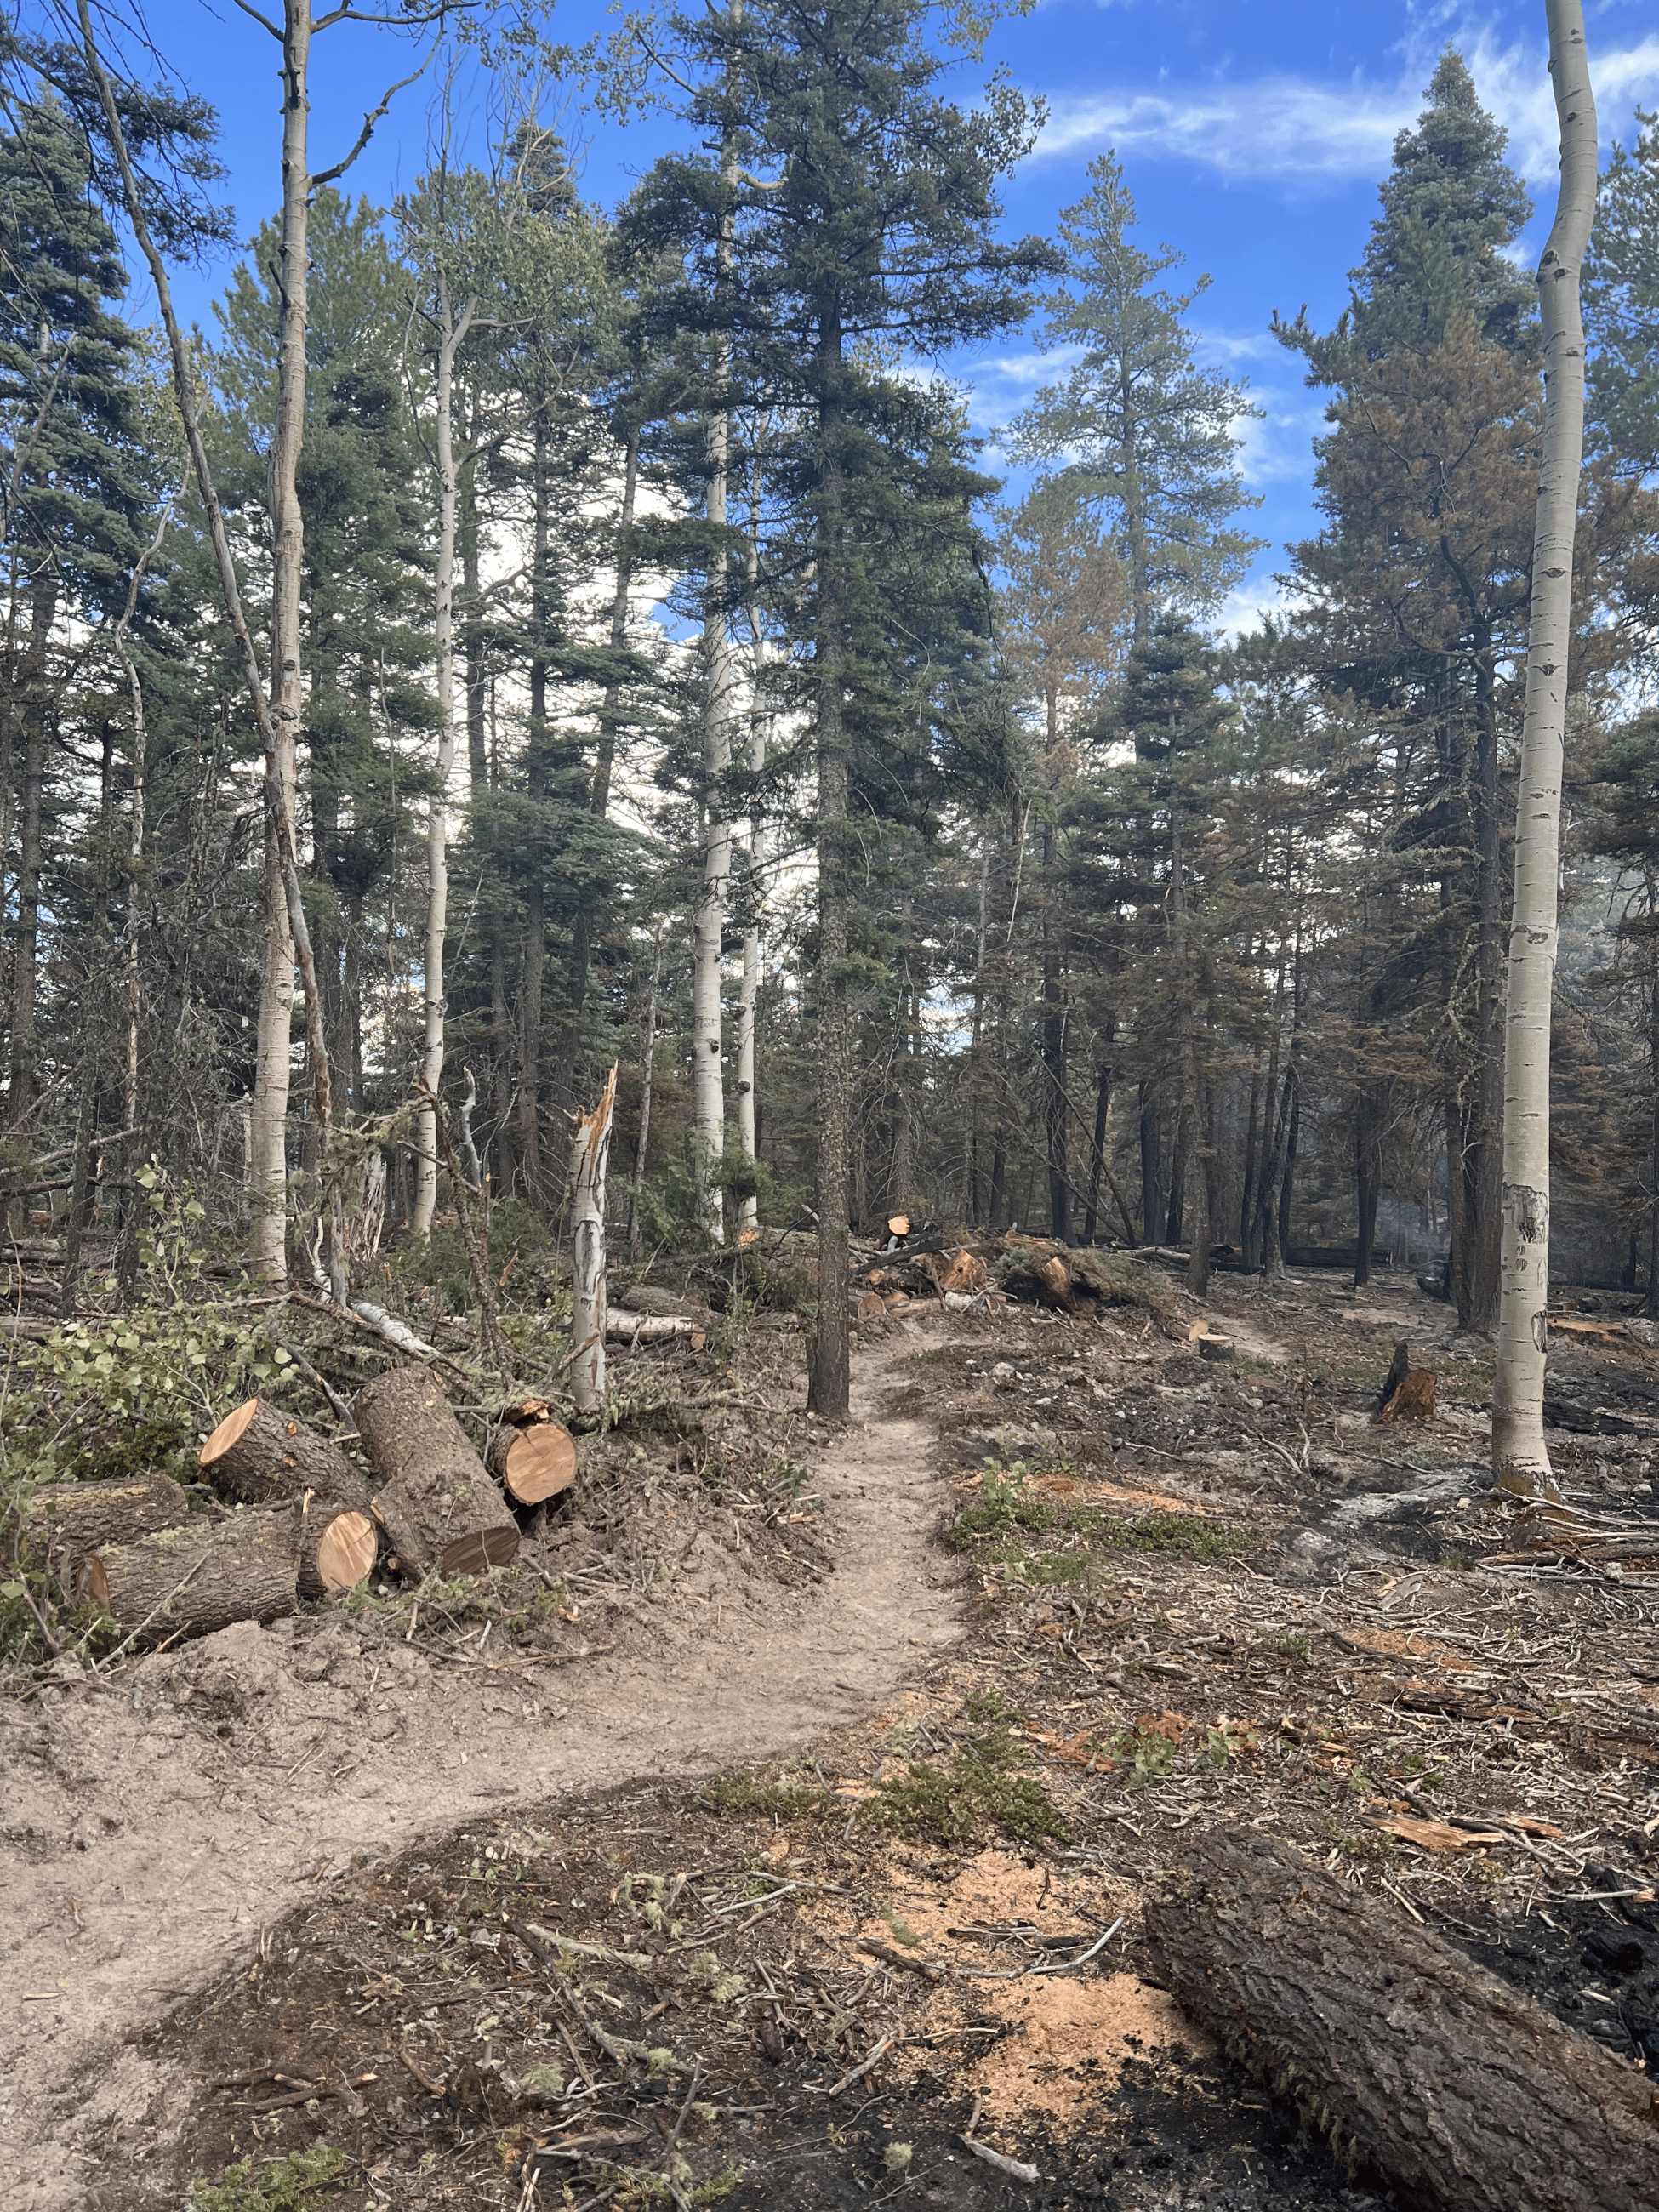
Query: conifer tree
{"points": [[1138, 430], [1621, 307]]}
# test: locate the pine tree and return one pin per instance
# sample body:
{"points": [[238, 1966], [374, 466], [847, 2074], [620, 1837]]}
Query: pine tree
{"points": [[1138, 431], [1621, 307]]}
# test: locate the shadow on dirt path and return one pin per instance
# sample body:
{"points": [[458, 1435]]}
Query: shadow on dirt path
{"points": [[153, 1826]]}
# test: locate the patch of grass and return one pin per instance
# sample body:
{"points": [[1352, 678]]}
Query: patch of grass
{"points": [[1369, 1850], [1178, 1535], [741, 1793], [1287, 1647], [1251, 1363], [1459, 1561], [1004, 1504], [949, 1355], [975, 1790], [301, 2182]]}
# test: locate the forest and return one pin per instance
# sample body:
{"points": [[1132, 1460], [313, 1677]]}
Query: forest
{"points": [[653, 674]]}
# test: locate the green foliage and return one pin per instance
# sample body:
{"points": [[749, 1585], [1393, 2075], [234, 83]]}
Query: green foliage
{"points": [[957, 1801], [1004, 1504], [1622, 306], [301, 2182]]}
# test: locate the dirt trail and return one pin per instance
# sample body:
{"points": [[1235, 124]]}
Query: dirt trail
{"points": [[142, 1848]]}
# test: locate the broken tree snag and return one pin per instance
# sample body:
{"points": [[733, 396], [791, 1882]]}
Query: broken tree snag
{"points": [[338, 1547], [193, 1580], [67, 1520], [533, 1461], [258, 1456], [437, 1503], [1407, 1392], [590, 1150], [1464, 2093]]}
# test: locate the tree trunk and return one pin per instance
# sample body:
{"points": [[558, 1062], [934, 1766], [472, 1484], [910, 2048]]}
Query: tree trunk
{"points": [[1151, 1172], [1465, 2094], [647, 1063], [197, 1578], [453, 328], [437, 1503], [1520, 1461], [1367, 1170], [590, 1151], [528, 1138], [830, 1380], [260, 1455], [68, 1520], [43, 607], [1053, 1053], [1098, 1151]]}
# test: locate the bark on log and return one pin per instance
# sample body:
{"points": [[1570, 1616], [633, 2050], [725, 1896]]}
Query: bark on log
{"points": [[68, 1520], [534, 1462], [647, 1329], [192, 1580], [438, 1505], [1407, 1392], [258, 1456], [1465, 2093], [338, 1547]]}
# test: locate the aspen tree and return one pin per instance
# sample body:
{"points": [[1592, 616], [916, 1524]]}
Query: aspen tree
{"points": [[1520, 1461]]}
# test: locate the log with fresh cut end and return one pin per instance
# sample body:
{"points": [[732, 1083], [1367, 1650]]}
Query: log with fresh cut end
{"points": [[193, 1580], [68, 1520], [258, 1455], [534, 1462], [437, 1503], [338, 1547], [1464, 2093]]}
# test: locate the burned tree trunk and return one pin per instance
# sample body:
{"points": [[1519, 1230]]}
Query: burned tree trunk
{"points": [[195, 1579], [258, 1456], [1464, 2093], [439, 1507], [68, 1520], [589, 1152]]}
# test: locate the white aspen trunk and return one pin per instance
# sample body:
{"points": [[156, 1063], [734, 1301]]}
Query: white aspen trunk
{"points": [[708, 921], [590, 1150], [753, 947], [646, 1062], [451, 329], [271, 1085], [1520, 1461]]}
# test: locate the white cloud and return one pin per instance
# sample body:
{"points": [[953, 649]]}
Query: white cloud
{"points": [[1301, 128]]}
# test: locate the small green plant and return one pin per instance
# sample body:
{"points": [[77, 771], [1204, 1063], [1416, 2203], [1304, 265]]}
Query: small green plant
{"points": [[1003, 1505], [1287, 1647], [301, 2182]]}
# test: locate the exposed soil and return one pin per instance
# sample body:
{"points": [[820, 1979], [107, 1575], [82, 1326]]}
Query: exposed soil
{"points": [[825, 1844], [155, 1824]]}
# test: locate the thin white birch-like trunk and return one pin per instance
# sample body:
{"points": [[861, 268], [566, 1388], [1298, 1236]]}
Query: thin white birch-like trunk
{"points": [[590, 1150], [647, 1062], [753, 946], [714, 903], [1520, 1461], [452, 330]]}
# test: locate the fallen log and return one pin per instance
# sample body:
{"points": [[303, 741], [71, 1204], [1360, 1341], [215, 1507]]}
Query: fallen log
{"points": [[338, 1547], [67, 1520], [258, 1456], [623, 1327], [533, 1461], [192, 1580], [1463, 2093], [437, 1503]]}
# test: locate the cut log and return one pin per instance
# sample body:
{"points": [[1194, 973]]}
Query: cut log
{"points": [[1221, 1347], [647, 1298], [1463, 2093], [872, 1306], [68, 1520], [192, 1580], [534, 1462], [438, 1505], [1407, 1392], [338, 1547], [622, 1327], [258, 1457]]}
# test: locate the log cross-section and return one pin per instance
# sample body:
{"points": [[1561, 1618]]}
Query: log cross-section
{"points": [[533, 1459], [258, 1455], [437, 1503], [1465, 2094]]}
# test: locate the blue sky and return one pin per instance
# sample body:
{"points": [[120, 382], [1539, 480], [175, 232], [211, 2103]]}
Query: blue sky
{"points": [[1254, 137]]}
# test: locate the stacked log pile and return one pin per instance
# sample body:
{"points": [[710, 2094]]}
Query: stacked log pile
{"points": [[297, 1517]]}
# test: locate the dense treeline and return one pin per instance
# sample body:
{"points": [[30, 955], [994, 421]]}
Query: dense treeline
{"points": [[672, 690]]}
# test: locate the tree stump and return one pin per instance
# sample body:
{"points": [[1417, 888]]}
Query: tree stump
{"points": [[192, 1580], [258, 1455], [338, 1547], [1463, 2093], [68, 1520], [533, 1461], [1407, 1392], [437, 1504]]}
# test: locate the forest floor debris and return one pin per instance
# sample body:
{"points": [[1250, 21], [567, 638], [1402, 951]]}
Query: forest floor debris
{"points": [[1185, 1591]]}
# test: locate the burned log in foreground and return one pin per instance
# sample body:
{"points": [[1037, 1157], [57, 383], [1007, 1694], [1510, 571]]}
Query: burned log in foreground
{"points": [[1462, 2092]]}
